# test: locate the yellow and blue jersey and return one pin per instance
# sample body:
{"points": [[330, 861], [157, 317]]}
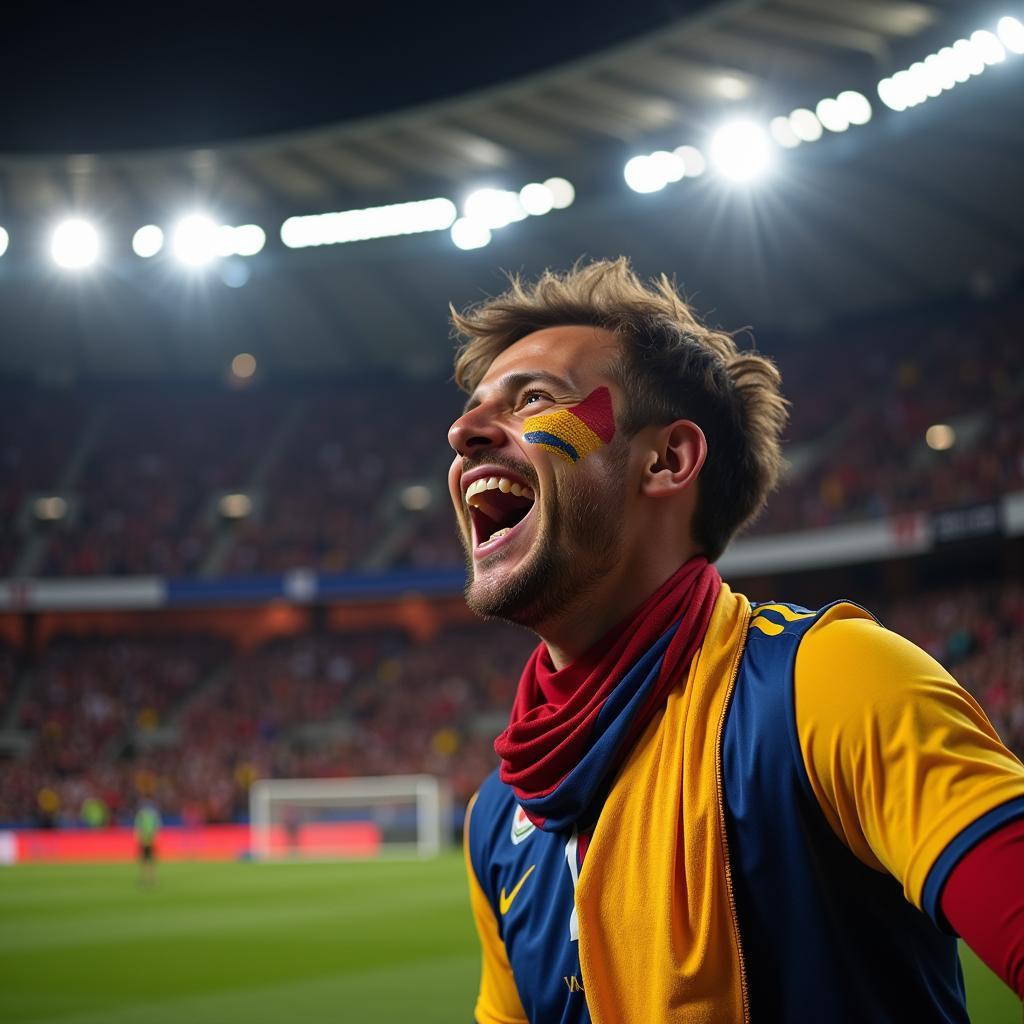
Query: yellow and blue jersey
{"points": [[774, 848]]}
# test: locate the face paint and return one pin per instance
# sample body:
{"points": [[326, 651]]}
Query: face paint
{"points": [[574, 433]]}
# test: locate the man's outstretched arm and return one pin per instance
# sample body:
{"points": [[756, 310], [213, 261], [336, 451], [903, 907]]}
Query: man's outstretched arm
{"points": [[983, 901]]}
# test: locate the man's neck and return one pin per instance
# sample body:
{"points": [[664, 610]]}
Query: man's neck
{"points": [[577, 628]]}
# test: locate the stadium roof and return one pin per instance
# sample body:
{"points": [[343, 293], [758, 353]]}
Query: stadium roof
{"points": [[912, 206]]}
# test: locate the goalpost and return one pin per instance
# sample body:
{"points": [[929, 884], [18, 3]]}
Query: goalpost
{"points": [[358, 817]]}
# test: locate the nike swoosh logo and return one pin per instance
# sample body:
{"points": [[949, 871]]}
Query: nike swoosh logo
{"points": [[505, 901]]}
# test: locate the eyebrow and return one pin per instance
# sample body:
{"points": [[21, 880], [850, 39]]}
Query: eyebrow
{"points": [[513, 382]]}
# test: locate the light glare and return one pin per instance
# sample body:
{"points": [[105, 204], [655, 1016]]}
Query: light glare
{"points": [[782, 132], [806, 127], [642, 175], [373, 222], [968, 59], [563, 192], [1011, 34], [197, 239], [75, 244], [4, 241], [468, 234], [694, 164], [536, 199], [831, 115], [855, 105], [243, 366], [249, 239], [986, 44], [493, 207], [940, 437], [667, 165], [741, 151], [147, 241], [891, 94]]}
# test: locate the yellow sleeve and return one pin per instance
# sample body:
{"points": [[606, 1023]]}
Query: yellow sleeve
{"points": [[498, 1001], [900, 757]]}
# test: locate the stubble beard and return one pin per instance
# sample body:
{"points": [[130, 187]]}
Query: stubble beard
{"points": [[580, 543]]}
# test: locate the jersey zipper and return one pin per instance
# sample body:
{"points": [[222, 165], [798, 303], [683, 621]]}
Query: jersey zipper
{"points": [[721, 820]]}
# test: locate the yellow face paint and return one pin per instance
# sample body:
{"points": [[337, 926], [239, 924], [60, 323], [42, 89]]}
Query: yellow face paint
{"points": [[572, 434]]}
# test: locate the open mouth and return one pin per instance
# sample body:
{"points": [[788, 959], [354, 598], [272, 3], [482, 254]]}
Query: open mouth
{"points": [[497, 505]]}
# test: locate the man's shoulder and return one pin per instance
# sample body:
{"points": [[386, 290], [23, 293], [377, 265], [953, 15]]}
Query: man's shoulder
{"points": [[777, 618]]}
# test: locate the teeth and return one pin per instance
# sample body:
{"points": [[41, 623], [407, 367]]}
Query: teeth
{"points": [[498, 483], [499, 533]]}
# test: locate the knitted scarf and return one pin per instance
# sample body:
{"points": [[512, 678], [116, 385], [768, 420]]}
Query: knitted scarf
{"points": [[571, 729]]}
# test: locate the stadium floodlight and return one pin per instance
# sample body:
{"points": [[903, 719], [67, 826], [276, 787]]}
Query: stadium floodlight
{"points": [[416, 497], [953, 70], [694, 164], [536, 199], [741, 151], [926, 84], [469, 234], [670, 166], [147, 241], [75, 244], [243, 366], [249, 239], [831, 115], [940, 71], [563, 192], [986, 44], [195, 240], [373, 222], [855, 105], [1011, 33], [782, 132], [940, 437], [493, 207], [4, 241], [235, 506], [642, 175], [968, 58], [891, 94], [50, 509], [806, 127]]}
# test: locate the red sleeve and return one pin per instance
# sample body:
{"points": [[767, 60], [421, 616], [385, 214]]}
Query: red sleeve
{"points": [[983, 900]]}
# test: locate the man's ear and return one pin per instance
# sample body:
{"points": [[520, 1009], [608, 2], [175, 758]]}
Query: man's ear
{"points": [[676, 458]]}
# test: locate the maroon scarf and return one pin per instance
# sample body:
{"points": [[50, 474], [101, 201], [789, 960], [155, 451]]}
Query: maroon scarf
{"points": [[571, 729]]}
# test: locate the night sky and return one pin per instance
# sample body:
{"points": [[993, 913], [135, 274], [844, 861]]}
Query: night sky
{"points": [[99, 77]]}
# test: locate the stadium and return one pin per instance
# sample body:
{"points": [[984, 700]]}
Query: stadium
{"points": [[231, 588]]}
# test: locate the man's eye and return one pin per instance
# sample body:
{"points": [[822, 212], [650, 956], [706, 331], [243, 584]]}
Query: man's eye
{"points": [[532, 397]]}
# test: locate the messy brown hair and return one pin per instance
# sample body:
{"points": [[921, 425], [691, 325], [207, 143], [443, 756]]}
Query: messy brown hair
{"points": [[672, 367]]}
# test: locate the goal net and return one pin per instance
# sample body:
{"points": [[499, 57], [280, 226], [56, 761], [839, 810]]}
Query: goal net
{"points": [[360, 817]]}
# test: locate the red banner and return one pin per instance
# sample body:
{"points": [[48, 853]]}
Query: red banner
{"points": [[211, 842]]}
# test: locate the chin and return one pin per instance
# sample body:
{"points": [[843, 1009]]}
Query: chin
{"points": [[522, 595]]}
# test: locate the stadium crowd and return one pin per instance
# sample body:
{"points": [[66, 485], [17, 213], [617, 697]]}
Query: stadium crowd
{"points": [[191, 724], [325, 466]]}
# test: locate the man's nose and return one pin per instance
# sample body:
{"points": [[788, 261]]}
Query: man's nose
{"points": [[474, 432]]}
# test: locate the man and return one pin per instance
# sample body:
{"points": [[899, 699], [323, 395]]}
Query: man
{"points": [[147, 827], [705, 811]]}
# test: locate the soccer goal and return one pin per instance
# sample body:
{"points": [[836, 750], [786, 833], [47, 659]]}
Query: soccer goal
{"points": [[339, 818]]}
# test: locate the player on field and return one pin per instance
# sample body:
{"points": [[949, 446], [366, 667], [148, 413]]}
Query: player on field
{"points": [[147, 827], [706, 810]]}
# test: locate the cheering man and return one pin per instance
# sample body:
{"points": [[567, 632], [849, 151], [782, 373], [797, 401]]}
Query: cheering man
{"points": [[705, 810]]}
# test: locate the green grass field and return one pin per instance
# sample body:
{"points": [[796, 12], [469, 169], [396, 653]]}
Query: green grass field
{"points": [[260, 944]]}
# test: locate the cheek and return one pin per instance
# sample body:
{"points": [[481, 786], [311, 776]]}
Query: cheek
{"points": [[573, 434]]}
